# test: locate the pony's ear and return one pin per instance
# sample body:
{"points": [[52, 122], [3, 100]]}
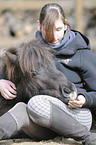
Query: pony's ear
{"points": [[12, 57]]}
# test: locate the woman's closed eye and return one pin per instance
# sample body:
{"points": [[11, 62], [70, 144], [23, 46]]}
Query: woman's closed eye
{"points": [[58, 29]]}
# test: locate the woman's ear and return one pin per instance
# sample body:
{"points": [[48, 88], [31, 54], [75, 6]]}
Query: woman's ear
{"points": [[66, 22], [38, 25]]}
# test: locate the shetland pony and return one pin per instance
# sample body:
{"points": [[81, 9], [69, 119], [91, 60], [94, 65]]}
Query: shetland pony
{"points": [[32, 68]]}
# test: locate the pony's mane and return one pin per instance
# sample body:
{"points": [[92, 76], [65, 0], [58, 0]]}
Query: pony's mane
{"points": [[27, 59], [33, 56]]}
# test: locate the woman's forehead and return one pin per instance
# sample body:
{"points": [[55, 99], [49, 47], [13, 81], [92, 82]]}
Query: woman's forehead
{"points": [[58, 23]]}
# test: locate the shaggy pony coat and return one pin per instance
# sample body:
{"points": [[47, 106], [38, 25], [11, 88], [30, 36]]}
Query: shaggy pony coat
{"points": [[32, 68]]}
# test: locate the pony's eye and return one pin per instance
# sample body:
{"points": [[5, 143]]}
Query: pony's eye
{"points": [[34, 73]]}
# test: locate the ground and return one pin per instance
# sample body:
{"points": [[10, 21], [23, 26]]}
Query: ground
{"points": [[56, 141]]}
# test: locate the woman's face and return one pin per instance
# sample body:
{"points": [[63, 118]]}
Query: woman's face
{"points": [[58, 32]]}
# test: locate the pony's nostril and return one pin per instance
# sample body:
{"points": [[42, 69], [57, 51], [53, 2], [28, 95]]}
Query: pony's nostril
{"points": [[67, 91]]}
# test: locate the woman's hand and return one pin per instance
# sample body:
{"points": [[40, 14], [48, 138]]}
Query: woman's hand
{"points": [[7, 89], [77, 103]]}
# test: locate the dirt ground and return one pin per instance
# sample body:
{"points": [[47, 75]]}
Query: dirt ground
{"points": [[56, 141]]}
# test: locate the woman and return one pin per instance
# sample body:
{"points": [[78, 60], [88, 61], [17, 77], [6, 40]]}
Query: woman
{"points": [[45, 117]]}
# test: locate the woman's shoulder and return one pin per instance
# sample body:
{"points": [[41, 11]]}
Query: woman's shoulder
{"points": [[81, 37], [80, 41]]}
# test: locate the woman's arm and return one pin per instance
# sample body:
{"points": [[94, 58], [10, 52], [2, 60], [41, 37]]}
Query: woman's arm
{"points": [[88, 76]]}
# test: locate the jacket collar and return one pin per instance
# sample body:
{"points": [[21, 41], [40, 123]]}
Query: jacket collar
{"points": [[70, 46]]}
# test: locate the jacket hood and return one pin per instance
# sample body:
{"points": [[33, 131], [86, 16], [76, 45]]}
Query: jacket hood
{"points": [[80, 41]]}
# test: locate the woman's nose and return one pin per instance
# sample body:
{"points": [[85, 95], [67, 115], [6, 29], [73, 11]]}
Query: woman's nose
{"points": [[55, 36]]}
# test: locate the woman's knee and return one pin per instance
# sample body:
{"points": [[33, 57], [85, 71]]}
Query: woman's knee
{"points": [[38, 103], [38, 109]]}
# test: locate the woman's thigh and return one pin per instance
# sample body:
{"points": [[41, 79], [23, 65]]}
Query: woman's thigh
{"points": [[40, 105]]}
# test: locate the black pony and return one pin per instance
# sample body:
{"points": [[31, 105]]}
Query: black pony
{"points": [[32, 68]]}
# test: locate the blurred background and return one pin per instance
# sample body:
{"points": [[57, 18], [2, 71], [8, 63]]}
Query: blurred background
{"points": [[18, 19]]}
